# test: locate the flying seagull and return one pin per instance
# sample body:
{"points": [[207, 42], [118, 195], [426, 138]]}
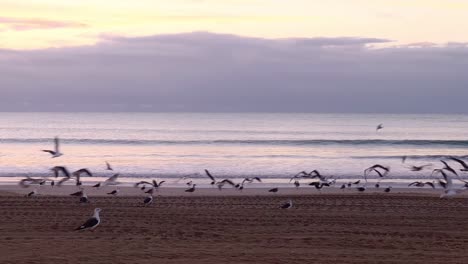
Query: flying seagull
{"points": [[461, 162], [56, 152], [421, 184], [379, 127], [92, 222], [287, 205], [112, 180], [223, 182], [418, 168], [108, 166], [376, 168], [212, 178], [448, 168], [62, 169]]}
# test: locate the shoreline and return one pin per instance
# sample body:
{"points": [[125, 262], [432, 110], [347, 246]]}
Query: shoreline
{"points": [[125, 191]]}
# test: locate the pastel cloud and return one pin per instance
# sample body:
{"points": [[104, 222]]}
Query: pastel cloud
{"points": [[20, 24], [218, 72]]}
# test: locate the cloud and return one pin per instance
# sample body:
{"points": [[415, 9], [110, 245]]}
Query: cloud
{"points": [[218, 72], [20, 24]]}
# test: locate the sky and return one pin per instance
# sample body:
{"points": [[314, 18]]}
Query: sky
{"points": [[367, 56]]}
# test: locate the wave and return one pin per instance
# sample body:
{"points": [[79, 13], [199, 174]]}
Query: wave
{"points": [[410, 157], [287, 142]]}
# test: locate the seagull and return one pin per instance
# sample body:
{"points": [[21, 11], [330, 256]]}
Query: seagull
{"points": [[56, 152], [148, 200], [223, 182], [112, 180], [377, 185], [461, 162], [84, 198], [403, 159], [28, 181], [213, 180], [343, 186], [297, 184], [154, 184], [77, 175], [388, 189], [33, 193], [114, 192], [108, 166], [287, 205], [92, 222], [58, 169], [380, 126], [191, 189], [421, 184], [274, 190], [97, 185], [250, 180], [448, 168], [376, 168], [78, 193], [449, 189], [418, 168], [361, 189]]}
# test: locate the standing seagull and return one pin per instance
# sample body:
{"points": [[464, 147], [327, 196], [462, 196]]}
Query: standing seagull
{"points": [[33, 193], [114, 192], [56, 152], [191, 189], [287, 205], [84, 198], [92, 222], [274, 190], [148, 200]]}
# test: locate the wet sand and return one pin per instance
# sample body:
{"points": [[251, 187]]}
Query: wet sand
{"points": [[325, 228]]}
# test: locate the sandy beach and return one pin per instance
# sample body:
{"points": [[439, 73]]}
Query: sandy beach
{"points": [[321, 228]]}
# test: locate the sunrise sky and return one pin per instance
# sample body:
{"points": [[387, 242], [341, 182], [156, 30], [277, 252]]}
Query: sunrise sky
{"points": [[372, 56], [33, 24]]}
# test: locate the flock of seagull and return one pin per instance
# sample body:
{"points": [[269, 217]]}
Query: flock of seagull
{"points": [[149, 187]]}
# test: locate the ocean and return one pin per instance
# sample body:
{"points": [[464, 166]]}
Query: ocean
{"points": [[231, 145]]}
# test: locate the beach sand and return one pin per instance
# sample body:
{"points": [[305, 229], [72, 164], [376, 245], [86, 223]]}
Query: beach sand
{"points": [[321, 228]]}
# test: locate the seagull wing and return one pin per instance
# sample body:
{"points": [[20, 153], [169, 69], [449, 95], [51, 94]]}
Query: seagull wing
{"points": [[49, 151], [108, 166], [85, 171], [89, 223], [448, 180], [57, 144], [209, 175], [228, 182], [461, 162], [413, 183], [64, 170], [142, 182], [430, 184]]}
